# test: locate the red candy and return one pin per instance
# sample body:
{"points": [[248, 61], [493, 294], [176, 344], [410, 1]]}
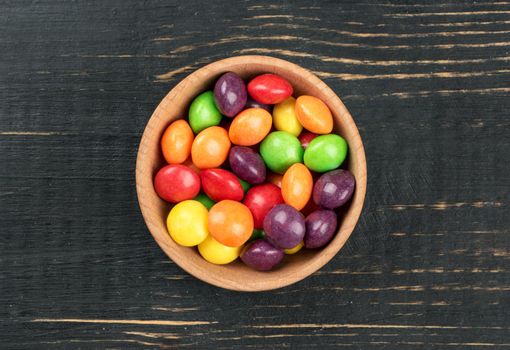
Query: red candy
{"points": [[220, 184], [176, 183], [260, 200], [269, 89], [306, 137]]}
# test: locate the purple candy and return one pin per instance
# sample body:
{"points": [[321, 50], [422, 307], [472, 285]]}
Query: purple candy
{"points": [[247, 164], [251, 103], [284, 226], [334, 189], [320, 228], [230, 94], [261, 255]]}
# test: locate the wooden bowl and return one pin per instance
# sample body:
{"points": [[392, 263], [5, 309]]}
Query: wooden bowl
{"points": [[237, 276]]}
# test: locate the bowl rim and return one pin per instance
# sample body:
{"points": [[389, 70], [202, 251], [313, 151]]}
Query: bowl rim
{"points": [[143, 180]]}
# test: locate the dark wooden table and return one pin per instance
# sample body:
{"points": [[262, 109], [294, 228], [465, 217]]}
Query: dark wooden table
{"points": [[428, 265]]}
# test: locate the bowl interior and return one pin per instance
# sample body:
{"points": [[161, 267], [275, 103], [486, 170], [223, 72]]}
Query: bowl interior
{"points": [[236, 275]]}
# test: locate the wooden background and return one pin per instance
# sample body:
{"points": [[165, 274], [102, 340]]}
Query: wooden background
{"points": [[428, 265]]}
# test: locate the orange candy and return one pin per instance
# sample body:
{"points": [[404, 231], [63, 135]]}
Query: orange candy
{"points": [[230, 223], [250, 127], [297, 185], [176, 142], [210, 148], [314, 115]]}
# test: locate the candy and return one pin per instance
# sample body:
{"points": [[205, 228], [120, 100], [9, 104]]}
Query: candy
{"points": [[246, 186], [334, 189], [325, 153], [203, 112], [175, 183], [269, 89], [210, 148], [294, 250], [257, 234], [280, 150], [189, 164], [230, 223], [206, 201], [310, 207], [220, 184], [274, 178], [272, 170], [251, 103], [176, 142], [297, 185], [187, 223], [305, 138], [250, 127], [260, 200], [284, 117], [261, 255], [230, 94], [320, 228], [314, 115], [247, 164], [217, 253], [284, 226]]}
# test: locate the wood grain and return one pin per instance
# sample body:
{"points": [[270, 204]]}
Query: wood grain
{"points": [[78, 82]]}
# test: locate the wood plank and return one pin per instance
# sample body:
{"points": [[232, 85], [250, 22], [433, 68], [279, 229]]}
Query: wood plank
{"points": [[428, 266]]}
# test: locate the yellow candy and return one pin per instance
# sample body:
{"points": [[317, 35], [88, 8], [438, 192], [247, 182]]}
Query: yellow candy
{"points": [[217, 253], [294, 250], [187, 223], [284, 117]]}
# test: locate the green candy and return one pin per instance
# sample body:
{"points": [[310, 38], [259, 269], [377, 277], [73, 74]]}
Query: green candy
{"points": [[203, 112], [257, 234], [325, 153], [280, 150], [246, 186], [206, 201]]}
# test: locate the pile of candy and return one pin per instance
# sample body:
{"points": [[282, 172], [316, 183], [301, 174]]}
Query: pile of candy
{"points": [[230, 196]]}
